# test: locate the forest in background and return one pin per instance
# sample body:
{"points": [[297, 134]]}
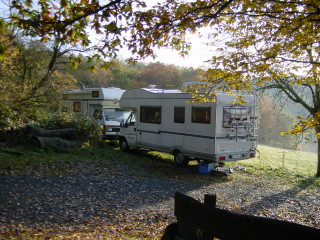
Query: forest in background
{"points": [[25, 96]]}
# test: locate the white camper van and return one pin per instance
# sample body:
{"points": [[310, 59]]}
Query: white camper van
{"points": [[216, 132], [100, 104]]}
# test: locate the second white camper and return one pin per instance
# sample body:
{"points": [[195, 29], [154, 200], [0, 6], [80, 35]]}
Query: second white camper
{"points": [[162, 120], [99, 104]]}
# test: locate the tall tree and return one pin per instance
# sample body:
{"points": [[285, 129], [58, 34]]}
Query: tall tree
{"points": [[104, 25], [90, 74], [189, 75], [122, 75], [21, 72], [162, 75]]}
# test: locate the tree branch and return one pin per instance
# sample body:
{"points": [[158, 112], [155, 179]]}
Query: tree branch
{"points": [[292, 94]]}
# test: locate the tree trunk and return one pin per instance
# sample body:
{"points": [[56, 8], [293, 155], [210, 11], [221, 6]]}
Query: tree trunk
{"points": [[318, 167], [318, 140], [68, 133], [53, 143]]}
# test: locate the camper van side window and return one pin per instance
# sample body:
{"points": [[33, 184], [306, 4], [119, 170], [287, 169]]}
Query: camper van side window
{"points": [[150, 114], [201, 115], [179, 114], [95, 94], [77, 106]]}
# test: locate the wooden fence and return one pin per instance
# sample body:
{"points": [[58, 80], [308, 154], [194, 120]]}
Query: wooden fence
{"points": [[204, 221]]}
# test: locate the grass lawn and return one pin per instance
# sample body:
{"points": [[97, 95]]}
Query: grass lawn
{"points": [[275, 162], [291, 166]]}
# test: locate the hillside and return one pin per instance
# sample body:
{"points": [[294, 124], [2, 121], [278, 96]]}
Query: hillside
{"points": [[290, 111]]}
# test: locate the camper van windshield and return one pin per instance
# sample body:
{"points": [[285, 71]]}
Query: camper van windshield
{"points": [[114, 114]]}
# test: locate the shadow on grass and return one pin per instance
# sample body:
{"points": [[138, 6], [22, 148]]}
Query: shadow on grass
{"points": [[273, 201], [162, 165]]}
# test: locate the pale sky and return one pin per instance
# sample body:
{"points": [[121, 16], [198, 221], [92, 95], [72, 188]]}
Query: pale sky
{"points": [[199, 53], [196, 58]]}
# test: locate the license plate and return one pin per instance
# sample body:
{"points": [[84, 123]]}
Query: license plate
{"points": [[236, 156]]}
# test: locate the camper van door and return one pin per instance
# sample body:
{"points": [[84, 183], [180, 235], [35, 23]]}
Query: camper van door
{"points": [[96, 113], [130, 129]]}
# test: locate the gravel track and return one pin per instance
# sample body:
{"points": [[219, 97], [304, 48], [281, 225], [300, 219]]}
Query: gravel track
{"points": [[33, 200], [40, 201]]}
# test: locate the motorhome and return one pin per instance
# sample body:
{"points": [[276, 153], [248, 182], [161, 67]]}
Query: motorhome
{"points": [[165, 120], [100, 104]]}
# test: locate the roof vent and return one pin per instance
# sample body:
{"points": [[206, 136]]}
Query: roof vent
{"points": [[152, 86]]}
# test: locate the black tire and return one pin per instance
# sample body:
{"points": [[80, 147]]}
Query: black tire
{"points": [[180, 160], [123, 145]]}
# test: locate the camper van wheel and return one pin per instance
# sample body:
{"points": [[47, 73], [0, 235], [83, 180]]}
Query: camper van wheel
{"points": [[123, 144], [180, 160]]}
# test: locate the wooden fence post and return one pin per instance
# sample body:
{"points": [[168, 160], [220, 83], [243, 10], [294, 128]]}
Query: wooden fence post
{"points": [[187, 230], [210, 201]]}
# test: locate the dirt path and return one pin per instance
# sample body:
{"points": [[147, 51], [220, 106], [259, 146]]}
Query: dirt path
{"points": [[81, 203]]}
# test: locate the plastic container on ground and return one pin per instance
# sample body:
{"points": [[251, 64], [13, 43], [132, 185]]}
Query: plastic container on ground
{"points": [[205, 168]]}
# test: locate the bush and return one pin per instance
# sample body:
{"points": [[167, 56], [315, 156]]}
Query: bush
{"points": [[86, 129]]}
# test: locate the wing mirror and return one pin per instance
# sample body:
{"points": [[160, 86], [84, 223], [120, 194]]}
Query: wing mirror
{"points": [[123, 124]]}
